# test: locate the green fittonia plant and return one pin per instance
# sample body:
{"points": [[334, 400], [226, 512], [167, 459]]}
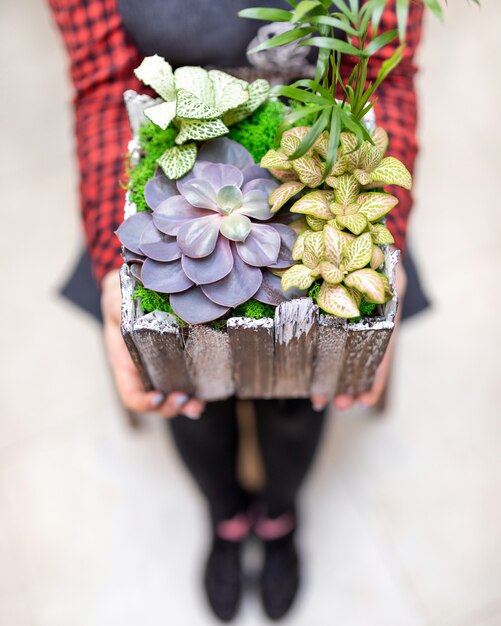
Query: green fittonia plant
{"points": [[201, 104], [335, 169]]}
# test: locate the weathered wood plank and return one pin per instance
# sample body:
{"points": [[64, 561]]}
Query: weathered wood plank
{"points": [[368, 339], [160, 343], [295, 343], [328, 362], [208, 358], [364, 350], [127, 284], [251, 344]]}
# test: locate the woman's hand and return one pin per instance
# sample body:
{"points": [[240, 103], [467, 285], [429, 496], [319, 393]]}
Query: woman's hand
{"points": [[129, 385], [371, 398]]}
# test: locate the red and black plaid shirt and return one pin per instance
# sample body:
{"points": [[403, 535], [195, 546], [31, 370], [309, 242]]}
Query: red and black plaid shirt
{"points": [[102, 60]]}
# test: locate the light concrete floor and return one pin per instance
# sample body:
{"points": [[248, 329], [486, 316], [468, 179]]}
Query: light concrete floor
{"points": [[100, 526]]}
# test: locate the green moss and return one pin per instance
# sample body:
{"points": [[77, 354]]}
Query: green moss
{"points": [[257, 132], [152, 301], [254, 309], [314, 289], [366, 309], [154, 141]]}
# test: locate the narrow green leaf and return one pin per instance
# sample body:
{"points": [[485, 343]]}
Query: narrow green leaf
{"points": [[402, 15], [314, 86], [331, 44], [283, 38], [343, 7], [301, 95], [315, 131], [435, 7], [334, 22], [335, 131], [271, 15], [304, 7], [380, 41]]}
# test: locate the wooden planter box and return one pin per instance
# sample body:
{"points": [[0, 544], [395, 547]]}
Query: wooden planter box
{"points": [[293, 355]]}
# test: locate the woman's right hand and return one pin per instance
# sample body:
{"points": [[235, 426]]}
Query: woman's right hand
{"points": [[129, 384]]}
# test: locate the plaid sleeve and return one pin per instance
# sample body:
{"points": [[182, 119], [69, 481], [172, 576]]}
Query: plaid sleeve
{"points": [[101, 66], [396, 108]]}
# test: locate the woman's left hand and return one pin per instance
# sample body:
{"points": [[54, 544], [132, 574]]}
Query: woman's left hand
{"points": [[371, 398]]}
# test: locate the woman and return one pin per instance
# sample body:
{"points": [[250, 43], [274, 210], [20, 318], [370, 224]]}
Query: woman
{"points": [[106, 40]]}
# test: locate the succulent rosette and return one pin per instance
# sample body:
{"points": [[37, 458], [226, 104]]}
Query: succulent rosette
{"points": [[208, 241]]}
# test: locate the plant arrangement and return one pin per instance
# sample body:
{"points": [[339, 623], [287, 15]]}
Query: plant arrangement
{"points": [[230, 213]]}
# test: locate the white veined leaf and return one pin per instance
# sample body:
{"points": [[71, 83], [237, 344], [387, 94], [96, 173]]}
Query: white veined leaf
{"points": [[283, 194], [297, 276], [380, 138], [335, 244], [200, 130], [336, 300], [391, 171], [375, 204], [330, 273], [362, 177], [358, 253], [332, 181], [292, 138], [314, 247], [298, 249], [309, 170], [381, 235], [371, 158], [196, 81], [349, 142], [258, 91], [157, 73], [369, 283], [178, 161], [356, 295], [355, 223], [313, 203], [229, 92], [283, 175], [191, 107], [276, 158], [161, 114], [339, 168], [347, 189], [321, 145], [315, 223], [388, 291], [377, 258]]}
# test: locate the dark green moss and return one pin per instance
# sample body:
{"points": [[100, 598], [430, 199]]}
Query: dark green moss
{"points": [[366, 309], [257, 132], [154, 141], [314, 289], [153, 301]]}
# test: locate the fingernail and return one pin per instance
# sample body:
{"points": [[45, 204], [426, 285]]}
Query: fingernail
{"points": [[192, 415], [181, 399], [318, 407], [157, 400]]}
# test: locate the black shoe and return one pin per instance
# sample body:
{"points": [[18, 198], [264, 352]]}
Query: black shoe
{"points": [[223, 578], [280, 577]]}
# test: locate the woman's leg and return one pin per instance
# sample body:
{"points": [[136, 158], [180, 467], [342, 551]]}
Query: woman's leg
{"points": [[208, 447], [288, 433]]}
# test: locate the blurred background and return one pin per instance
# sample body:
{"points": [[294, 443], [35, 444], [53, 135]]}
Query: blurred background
{"points": [[100, 525]]}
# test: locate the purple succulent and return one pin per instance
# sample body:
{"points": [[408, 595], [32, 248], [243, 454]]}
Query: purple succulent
{"points": [[205, 242]]}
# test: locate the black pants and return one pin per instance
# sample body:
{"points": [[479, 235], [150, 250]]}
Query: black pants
{"points": [[288, 433]]}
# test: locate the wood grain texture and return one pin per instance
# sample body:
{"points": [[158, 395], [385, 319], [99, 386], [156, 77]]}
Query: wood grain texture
{"points": [[363, 353], [295, 343], [328, 363], [160, 343], [251, 344], [208, 358]]}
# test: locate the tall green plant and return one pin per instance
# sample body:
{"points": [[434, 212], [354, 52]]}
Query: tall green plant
{"points": [[337, 28]]}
